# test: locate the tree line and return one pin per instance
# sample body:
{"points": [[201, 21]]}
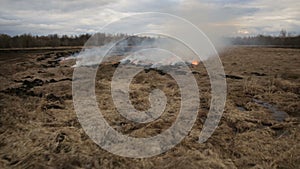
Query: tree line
{"points": [[267, 41], [283, 40], [53, 40]]}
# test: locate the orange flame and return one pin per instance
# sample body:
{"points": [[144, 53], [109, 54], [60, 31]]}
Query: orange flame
{"points": [[195, 62]]}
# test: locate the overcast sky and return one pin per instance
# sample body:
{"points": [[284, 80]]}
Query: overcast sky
{"points": [[230, 17]]}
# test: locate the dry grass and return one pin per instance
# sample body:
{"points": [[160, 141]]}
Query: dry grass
{"points": [[39, 128]]}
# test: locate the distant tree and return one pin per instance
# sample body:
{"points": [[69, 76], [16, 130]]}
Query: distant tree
{"points": [[283, 33], [53, 40], [5, 41], [283, 40]]}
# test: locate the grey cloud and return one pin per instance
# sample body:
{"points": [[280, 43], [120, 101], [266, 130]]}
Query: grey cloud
{"points": [[75, 17], [53, 5]]}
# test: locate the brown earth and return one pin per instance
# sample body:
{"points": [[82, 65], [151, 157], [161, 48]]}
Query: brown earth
{"points": [[259, 128]]}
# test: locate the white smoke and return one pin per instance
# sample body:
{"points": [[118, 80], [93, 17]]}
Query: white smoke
{"points": [[174, 34], [145, 51], [91, 56]]}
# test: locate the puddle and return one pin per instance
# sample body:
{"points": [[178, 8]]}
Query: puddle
{"points": [[241, 108], [277, 114]]}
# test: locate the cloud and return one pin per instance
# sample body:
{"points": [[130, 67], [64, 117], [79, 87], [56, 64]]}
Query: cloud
{"points": [[231, 17], [271, 17]]}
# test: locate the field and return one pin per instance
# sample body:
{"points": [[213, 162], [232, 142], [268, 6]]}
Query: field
{"points": [[259, 127]]}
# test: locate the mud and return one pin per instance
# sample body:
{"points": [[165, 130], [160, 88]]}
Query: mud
{"points": [[277, 114]]}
